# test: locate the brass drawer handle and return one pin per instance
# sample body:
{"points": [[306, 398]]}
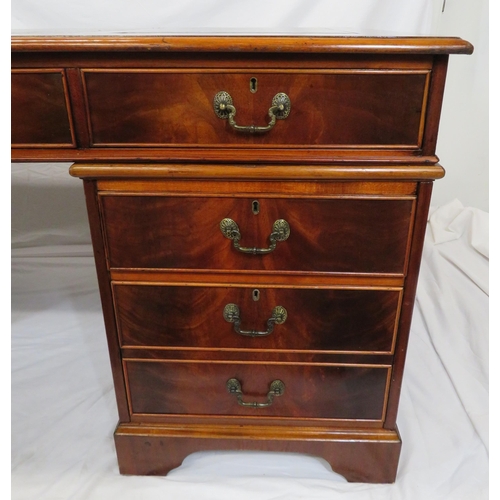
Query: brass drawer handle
{"points": [[223, 107], [281, 232], [277, 388], [232, 315]]}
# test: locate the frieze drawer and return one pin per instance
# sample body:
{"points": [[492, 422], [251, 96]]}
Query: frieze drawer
{"points": [[356, 108], [40, 109]]}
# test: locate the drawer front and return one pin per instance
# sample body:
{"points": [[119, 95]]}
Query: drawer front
{"points": [[198, 388], [40, 109], [359, 235], [204, 317], [346, 109]]}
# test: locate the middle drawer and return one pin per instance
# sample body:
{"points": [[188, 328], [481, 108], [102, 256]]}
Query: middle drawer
{"points": [[362, 320]]}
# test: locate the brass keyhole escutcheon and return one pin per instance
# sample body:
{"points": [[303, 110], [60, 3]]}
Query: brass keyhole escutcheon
{"points": [[255, 207], [253, 85], [256, 295]]}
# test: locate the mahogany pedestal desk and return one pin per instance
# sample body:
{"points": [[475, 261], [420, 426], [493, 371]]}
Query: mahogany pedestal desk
{"points": [[257, 208]]}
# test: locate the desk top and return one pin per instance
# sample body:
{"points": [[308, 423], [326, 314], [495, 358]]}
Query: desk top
{"points": [[240, 43]]}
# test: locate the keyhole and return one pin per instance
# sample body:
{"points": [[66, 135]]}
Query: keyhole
{"points": [[253, 85], [255, 207], [256, 295]]}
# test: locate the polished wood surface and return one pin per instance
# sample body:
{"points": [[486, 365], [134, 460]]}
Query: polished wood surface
{"points": [[223, 183], [374, 174], [216, 353], [410, 292], [347, 235], [350, 169], [434, 112], [327, 320], [90, 190], [242, 277], [244, 156]]}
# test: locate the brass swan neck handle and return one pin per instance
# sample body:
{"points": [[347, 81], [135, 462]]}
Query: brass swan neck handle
{"points": [[280, 232], [276, 388], [231, 314], [279, 110]]}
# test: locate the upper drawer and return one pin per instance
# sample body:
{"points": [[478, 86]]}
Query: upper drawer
{"points": [[382, 109], [345, 235], [40, 109]]}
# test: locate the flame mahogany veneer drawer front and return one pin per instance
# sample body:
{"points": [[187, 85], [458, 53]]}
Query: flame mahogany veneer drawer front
{"points": [[337, 320], [310, 391], [357, 108], [348, 235]]}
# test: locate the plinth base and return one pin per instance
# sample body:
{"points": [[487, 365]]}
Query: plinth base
{"points": [[360, 455]]}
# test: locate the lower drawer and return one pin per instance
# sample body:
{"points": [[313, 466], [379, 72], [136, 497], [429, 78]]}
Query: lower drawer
{"points": [[213, 388]]}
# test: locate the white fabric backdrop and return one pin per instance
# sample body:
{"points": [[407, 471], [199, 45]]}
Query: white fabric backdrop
{"points": [[393, 16]]}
